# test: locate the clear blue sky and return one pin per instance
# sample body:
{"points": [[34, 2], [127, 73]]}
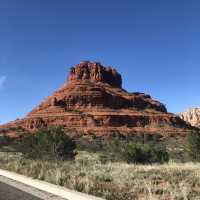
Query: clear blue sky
{"points": [[154, 44]]}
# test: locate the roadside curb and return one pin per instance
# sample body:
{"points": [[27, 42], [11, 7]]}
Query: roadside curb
{"points": [[47, 187]]}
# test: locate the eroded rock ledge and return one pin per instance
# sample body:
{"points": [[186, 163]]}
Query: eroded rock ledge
{"points": [[96, 73]]}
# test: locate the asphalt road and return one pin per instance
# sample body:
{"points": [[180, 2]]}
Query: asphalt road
{"points": [[11, 193]]}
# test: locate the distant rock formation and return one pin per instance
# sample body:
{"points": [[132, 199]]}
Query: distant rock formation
{"points": [[192, 116], [92, 102]]}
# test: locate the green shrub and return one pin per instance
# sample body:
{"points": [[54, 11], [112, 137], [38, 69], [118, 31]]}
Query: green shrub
{"points": [[193, 146], [145, 153], [47, 143], [89, 144], [134, 152], [5, 140]]}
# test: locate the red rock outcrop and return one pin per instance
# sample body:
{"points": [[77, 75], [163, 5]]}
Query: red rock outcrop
{"points": [[95, 73], [92, 101]]}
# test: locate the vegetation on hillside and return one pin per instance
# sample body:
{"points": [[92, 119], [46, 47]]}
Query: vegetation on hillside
{"points": [[193, 146], [109, 168], [46, 144]]}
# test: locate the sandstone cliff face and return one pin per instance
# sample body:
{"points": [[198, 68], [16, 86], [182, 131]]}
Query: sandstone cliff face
{"points": [[192, 116], [92, 101]]}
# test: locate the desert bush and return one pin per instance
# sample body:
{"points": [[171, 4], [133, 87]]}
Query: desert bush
{"points": [[47, 143], [90, 144], [193, 145], [5, 140], [144, 153], [134, 152]]}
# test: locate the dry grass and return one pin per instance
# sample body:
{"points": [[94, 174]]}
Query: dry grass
{"points": [[113, 181]]}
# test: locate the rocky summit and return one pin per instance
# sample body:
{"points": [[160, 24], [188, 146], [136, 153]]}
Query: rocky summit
{"points": [[93, 102], [192, 116]]}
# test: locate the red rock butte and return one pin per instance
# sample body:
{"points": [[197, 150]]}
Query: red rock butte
{"points": [[92, 102]]}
